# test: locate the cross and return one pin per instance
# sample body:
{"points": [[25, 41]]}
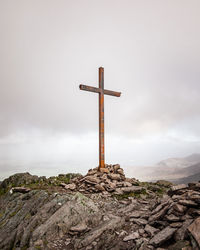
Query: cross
{"points": [[101, 91]]}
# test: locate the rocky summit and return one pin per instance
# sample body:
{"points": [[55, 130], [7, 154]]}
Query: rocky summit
{"points": [[101, 210]]}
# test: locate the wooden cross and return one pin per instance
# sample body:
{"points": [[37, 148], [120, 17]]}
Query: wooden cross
{"points": [[101, 91]]}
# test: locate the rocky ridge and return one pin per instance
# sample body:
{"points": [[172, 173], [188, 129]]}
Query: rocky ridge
{"points": [[102, 210]]}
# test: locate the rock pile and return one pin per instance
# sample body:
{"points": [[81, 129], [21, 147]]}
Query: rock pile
{"points": [[109, 179], [98, 211], [171, 220]]}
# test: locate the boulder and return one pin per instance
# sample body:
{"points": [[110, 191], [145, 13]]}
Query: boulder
{"points": [[19, 179]]}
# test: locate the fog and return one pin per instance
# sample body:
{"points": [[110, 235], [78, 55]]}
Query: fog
{"points": [[150, 52]]}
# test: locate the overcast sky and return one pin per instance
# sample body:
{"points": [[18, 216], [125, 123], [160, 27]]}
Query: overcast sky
{"points": [[150, 51]]}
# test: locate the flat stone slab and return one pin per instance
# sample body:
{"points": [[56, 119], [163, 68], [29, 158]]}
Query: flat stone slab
{"points": [[175, 189], [194, 230], [79, 228], [132, 236], [151, 230], [188, 203], [162, 236]]}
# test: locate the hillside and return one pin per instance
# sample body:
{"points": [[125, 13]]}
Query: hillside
{"points": [[193, 158], [172, 168], [188, 179], [102, 210], [191, 170]]}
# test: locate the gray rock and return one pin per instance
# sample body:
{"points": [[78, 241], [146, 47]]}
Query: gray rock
{"points": [[139, 221], [181, 233], [162, 236], [151, 230], [135, 214], [188, 203], [99, 187], [159, 215], [72, 212], [112, 223], [132, 236], [126, 184], [172, 218], [175, 189], [179, 208], [115, 177], [120, 171], [134, 189], [159, 207], [79, 228], [194, 231], [19, 180], [91, 180], [176, 224], [70, 186], [116, 167]]}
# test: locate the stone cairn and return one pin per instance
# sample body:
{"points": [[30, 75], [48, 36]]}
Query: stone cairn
{"points": [[175, 217], [109, 179]]}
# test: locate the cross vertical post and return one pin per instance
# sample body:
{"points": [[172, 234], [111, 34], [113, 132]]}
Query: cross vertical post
{"points": [[101, 91], [101, 119]]}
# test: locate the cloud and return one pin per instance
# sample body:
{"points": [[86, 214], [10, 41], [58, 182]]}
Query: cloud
{"points": [[150, 52]]}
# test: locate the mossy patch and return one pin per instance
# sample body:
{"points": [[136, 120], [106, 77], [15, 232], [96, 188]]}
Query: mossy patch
{"points": [[28, 216], [3, 191], [130, 194]]}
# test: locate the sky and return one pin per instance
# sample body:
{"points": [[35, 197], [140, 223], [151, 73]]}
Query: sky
{"points": [[150, 53]]}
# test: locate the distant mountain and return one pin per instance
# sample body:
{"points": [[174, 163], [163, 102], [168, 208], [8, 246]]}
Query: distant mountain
{"points": [[191, 170], [193, 158], [172, 168], [180, 162], [186, 180]]}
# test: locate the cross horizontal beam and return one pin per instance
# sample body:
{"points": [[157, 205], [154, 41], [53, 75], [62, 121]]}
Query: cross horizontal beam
{"points": [[99, 90]]}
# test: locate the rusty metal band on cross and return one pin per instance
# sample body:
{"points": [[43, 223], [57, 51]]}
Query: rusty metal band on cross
{"points": [[101, 91]]}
